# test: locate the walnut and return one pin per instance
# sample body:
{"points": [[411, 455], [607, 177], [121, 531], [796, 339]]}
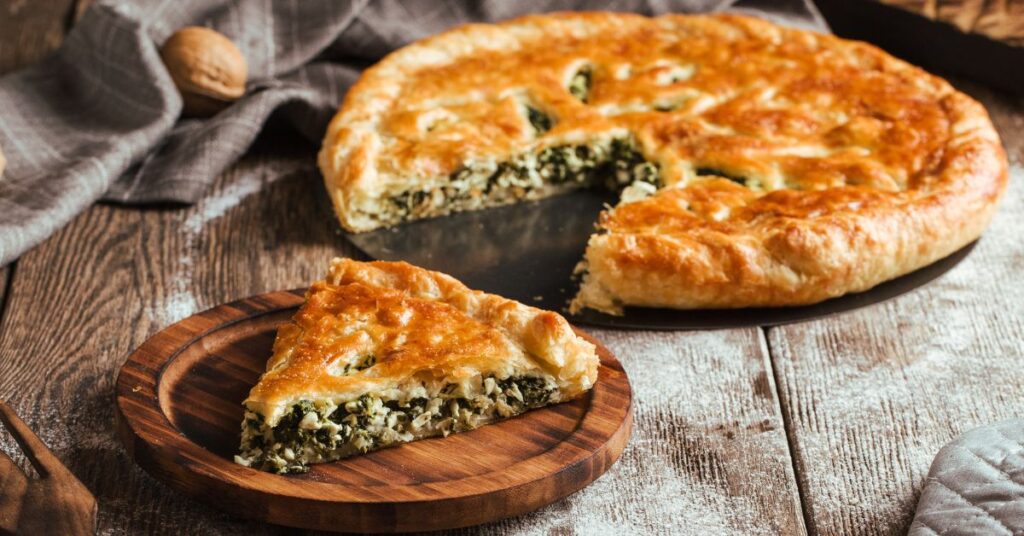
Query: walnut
{"points": [[207, 68]]}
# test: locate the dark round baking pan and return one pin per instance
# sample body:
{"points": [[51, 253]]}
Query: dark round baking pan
{"points": [[528, 252]]}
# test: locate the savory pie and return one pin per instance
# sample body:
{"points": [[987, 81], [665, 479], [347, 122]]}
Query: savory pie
{"points": [[759, 165], [384, 353]]}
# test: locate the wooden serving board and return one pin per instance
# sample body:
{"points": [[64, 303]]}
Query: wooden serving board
{"points": [[179, 416]]}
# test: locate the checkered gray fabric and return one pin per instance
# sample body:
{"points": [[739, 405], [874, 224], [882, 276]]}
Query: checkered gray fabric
{"points": [[99, 118], [976, 484]]}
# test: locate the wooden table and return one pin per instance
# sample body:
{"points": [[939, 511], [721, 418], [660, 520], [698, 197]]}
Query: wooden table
{"points": [[825, 427]]}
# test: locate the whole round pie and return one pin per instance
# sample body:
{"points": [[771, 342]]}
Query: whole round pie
{"points": [[758, 165]]}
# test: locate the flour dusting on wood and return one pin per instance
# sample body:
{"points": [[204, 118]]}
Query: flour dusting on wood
{"points": [[217, 205], [874, 394], [180, 301], [708, 453]]}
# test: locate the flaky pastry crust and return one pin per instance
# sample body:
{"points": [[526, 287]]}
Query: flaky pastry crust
{"points": [[795, 166], [422, 327]]}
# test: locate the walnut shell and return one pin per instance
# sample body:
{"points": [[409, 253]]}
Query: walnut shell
{"points": [[207, 68]]}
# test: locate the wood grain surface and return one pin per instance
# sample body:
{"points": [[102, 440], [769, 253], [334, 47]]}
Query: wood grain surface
{"points": [[29, 30], [179, 412], [856, 404], [871, 396], [51, 500], [27, 34]]}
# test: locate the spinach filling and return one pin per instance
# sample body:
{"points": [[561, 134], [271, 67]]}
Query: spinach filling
{"points": [[618, 165], [703, 171], [613, 164], [579, 84], [361, 363], [312, 432], [541, 121]]}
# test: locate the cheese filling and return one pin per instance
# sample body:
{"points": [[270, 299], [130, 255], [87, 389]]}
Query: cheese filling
{"points": [[321, 431], [613, 163]]}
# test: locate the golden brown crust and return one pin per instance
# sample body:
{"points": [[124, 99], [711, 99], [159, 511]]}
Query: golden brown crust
{"points": [[717, 244], [421, 326], [857, 166]]}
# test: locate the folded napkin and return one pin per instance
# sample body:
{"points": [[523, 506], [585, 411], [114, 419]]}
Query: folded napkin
{"points": [[99, 118]]}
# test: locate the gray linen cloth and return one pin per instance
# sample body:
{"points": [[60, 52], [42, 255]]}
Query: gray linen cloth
{"points": [[99, 118]]}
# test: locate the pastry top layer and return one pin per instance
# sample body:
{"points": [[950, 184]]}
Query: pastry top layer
{"points": [[421, 327], [769, 107]]}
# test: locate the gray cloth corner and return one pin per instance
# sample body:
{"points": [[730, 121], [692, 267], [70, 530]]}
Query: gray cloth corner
{"points": [[975, 485]]}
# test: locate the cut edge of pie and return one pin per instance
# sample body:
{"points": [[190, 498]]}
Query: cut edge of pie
{"points": [[383, 353], [745, 184]]}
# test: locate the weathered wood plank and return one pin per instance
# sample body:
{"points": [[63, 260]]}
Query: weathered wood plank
{"points": [[871, 396], [30, 30], [709, 452], [707, 456], [707, 437]]}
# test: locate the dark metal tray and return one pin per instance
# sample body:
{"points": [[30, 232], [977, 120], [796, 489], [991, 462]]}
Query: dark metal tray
{"points": [[528, 252]]}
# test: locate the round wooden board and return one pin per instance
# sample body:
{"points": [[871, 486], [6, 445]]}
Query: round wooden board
{"points": [[179, 415]]}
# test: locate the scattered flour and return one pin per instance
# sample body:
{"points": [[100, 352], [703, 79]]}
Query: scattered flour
{"points": [[180, 302], [680, 474], [870, 426], [217, 205], [179, 305]]}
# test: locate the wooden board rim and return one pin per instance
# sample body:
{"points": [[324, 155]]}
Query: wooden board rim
{"points": [[163, 450]]}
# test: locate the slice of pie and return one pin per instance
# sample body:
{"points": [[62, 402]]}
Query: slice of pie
{"points": [[384, 353], [759, 165]]}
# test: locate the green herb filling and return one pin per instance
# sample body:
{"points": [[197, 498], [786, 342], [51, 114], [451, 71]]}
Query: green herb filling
{"points": [[317, 432], [613, 164], [579, 84], [541, 121]]}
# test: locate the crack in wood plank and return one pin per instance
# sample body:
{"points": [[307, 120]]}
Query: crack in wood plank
{"points": [[787, 426]]}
